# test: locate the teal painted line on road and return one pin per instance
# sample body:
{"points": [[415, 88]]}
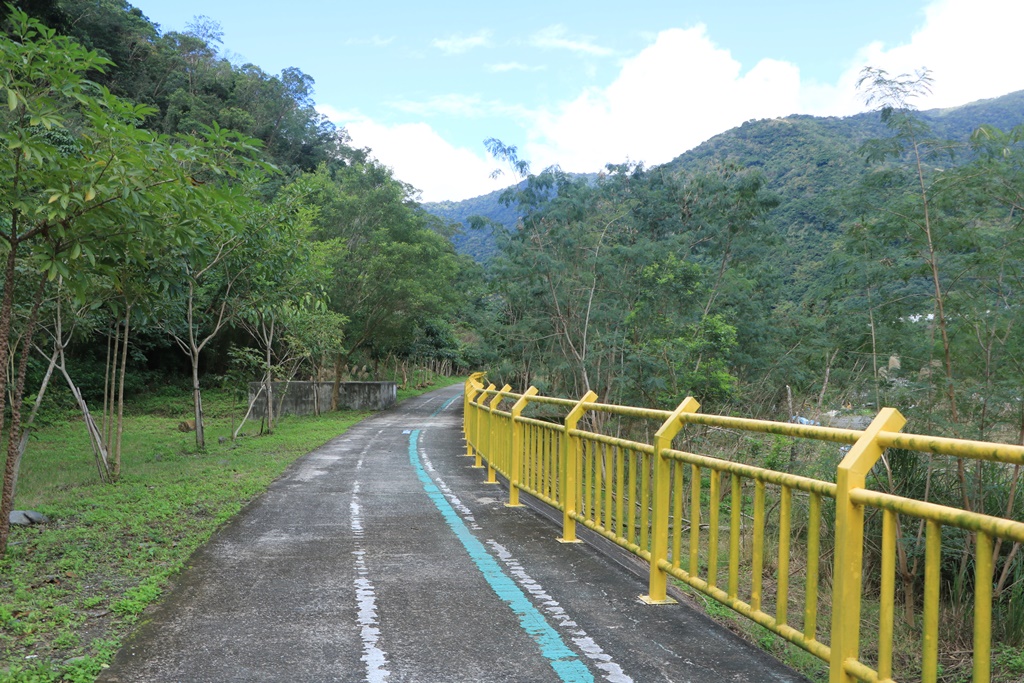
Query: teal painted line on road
{"points": [[563, 661], [450, 401]]}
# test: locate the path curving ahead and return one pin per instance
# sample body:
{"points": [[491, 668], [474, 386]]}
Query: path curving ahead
{"points": [[383, 557]]}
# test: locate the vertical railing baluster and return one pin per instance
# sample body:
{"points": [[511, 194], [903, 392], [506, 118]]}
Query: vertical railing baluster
{"points": [[713, 509], [677, 511], [606, 481], [782, 591], [587, 461], [813, 551], [694, 521], [619, 474], [983, 568], [887, 595], [631, 498], [735, 521], [645, 501], [757, 561], [930, 613]]}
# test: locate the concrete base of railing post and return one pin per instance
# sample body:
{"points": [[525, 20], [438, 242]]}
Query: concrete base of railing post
{"points": [[646, 599]]}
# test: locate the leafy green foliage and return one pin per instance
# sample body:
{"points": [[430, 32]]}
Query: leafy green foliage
{"points": [[391, 265], [614, 286], [189, 85]]}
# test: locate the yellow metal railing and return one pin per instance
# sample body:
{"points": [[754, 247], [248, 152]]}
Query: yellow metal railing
{"points": [[666, 506]]}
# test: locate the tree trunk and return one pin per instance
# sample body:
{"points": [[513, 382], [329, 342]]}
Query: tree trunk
{"points": [[14, 430], [824, 385], [316, 397], [109, 377], [248, 412], [96, 439], [27, 430], [197, 402], [115, 471], [5, 344]]}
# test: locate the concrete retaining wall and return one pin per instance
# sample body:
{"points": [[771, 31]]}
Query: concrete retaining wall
{"points": [[300, 398]]}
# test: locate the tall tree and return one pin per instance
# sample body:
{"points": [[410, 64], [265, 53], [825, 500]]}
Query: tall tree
{"points": [[80, 182], [391, 265]]}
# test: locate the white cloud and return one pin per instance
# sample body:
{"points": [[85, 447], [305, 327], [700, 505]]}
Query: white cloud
{"points": [[457, 44], [336, 115], [971, 47], [683, 89], [676, 93], [556, 37], [421, 157]]}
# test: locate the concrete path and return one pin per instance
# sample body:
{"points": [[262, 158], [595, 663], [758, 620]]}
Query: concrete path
{"points": [[383, 557]]}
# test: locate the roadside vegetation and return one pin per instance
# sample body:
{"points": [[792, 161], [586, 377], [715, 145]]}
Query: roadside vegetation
{"points": [[168, 217], [73, 588]]}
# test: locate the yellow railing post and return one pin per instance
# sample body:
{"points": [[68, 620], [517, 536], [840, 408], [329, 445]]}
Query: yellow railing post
{"points": [[516, 456], [570, 458], [849, 543], [492, 451], [472, 382], [656, 589], [470, 412], [483, 426]]}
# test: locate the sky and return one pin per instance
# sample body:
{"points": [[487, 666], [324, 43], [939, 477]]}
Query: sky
{"points": [[584, 84]]}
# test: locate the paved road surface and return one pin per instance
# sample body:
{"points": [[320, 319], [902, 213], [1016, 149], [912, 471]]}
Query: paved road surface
{"points": [[383, 557]]}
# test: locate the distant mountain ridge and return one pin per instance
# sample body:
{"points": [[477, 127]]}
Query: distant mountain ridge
{"points": [[478, 243], [807, 160]]}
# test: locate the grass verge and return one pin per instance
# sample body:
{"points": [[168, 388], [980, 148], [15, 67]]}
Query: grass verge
{"points": [[73, 589]]}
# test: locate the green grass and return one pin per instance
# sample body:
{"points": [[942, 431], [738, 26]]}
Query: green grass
{"points": [[73, 589]]}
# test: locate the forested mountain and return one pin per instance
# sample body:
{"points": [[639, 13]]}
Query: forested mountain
{"points": [[477, 242], [808, 161], [794, 252]]}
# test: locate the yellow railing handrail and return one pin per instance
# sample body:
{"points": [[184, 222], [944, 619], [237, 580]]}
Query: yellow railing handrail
{"points": [[632, 492], [958, 448], [962, 519], [629, 411], [782, 428], [549, 400], [613, 441], [540, 423], [795, 481]]}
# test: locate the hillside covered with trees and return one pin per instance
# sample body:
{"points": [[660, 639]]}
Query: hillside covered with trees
{"points": [[171, 218]]}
